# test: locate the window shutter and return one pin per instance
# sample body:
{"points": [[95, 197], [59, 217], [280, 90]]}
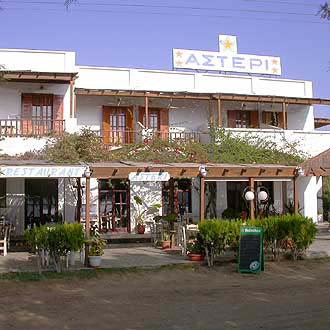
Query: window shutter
{"points": [[26, 115], [58, 113], [164, 122], [231, 118], [254, 119]]}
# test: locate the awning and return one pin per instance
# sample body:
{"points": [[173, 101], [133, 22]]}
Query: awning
{"points": [[35, 76], [318, 165]]}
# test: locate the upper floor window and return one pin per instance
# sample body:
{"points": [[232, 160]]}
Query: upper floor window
{"points": [[153, 120], [243, 119]]}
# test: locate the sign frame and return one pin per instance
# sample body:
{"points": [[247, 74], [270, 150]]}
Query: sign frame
{"points": [[249, 231]]}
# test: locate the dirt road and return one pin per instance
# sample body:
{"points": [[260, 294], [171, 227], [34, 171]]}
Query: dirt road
{"points": [[287, 296]]}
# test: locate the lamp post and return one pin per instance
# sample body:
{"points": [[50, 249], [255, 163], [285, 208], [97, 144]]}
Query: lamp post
{"points": [[253, 196], [203, 174], [87, 175]]}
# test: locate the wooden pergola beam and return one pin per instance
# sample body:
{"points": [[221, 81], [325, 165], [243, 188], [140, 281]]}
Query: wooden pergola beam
{"points": [[186, 171], [205, 96]]}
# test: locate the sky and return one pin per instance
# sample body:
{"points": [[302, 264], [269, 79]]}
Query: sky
{"points": [[142, 33]]}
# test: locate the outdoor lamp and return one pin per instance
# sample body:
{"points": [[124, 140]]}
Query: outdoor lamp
{"points": [[300, 171], [249, 195], [87, 173], [202, 170], [262, 196]]}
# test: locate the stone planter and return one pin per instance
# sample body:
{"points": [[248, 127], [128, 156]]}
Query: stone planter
{"points": [[95, 261], [196, 257]]}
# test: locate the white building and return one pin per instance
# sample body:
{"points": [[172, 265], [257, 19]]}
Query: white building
{"points": [[45, 92]]}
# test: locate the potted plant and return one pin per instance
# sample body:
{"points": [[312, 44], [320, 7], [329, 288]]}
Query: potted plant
{"points": [[76, 240], [166, 240], [141, 212], [195, 249], [96, 247]]}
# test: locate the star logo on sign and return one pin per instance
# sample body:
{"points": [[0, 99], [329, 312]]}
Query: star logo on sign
{"points": [[274, 70], [178, 63], [227, 44], [178, 54], [275, 61]]}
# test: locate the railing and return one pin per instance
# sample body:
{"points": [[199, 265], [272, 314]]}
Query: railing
{"points": [[31, 127], [120, 137]]}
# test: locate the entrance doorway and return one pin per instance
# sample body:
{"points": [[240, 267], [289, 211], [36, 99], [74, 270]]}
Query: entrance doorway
{"points": [[114, 205], [41, 203]]}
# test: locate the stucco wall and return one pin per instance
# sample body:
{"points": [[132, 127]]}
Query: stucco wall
{"points": [[37, 60]]}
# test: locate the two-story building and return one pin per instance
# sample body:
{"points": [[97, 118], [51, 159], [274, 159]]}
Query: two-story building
{"points": [[44, 93]]}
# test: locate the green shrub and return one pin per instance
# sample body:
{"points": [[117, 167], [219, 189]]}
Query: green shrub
{"points": [[282, 234]]}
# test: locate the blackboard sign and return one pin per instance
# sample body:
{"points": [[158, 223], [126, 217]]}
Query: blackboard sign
{"points": [[251, 259]]}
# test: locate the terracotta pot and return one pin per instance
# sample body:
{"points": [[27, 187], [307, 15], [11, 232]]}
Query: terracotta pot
{"points": [[141, 229], [196, 257], [166, 244]]}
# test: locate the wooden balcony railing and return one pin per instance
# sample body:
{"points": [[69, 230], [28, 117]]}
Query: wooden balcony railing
{"points": [[120, 137], [31, 127]]}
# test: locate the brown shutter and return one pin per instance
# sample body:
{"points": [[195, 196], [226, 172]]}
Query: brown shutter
{"points": [[164, 123], [106, 124], [254, 119], [232, 118], [129, 125], [141, 115], [58, 113], [26, 123]]}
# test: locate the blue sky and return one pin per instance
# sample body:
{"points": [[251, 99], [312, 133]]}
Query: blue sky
{"points": [[135, 34]]}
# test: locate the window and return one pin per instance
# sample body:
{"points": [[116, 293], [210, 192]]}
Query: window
{"points": [[153, 120], [2, 193], [243, 119], [42, 113]]}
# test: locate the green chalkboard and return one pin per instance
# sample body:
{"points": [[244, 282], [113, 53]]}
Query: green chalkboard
{"points": [[251, 258]]}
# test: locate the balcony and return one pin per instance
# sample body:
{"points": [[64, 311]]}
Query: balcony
{"points": [[30, 127], [122, 137]]}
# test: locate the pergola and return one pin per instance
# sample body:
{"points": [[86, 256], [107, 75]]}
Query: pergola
{"points": [[214, 172]]}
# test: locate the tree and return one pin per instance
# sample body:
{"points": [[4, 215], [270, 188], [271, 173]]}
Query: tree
{"points": [[324, 11]]}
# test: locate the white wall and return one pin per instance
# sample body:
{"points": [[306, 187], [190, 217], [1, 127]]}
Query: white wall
{"points": [[308, 188], [311, 143], [37, 60], [150, 193], [175, 81]]}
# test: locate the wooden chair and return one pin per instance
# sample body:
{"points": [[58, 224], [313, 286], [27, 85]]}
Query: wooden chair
{"points": [[4, 239]]}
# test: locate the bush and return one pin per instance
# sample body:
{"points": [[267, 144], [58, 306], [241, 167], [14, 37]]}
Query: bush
{"points": [[57, 241], [282, 234]]}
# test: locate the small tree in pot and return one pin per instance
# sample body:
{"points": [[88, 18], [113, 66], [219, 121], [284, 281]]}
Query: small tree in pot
{"points": [[96, 247], [141, 213]]}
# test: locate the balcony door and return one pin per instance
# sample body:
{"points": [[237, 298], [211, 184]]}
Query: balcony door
{"points": [[117, 125], [158, 121]]}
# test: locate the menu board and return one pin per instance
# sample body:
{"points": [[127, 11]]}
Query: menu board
{"points": [[251, 259]]}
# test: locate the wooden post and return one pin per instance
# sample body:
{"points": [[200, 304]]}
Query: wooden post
{"points": [[295, 195], [219, 113], [202, 199], [211, 119], [146, 112], [87, 218], [284, 115], [252, 208]]}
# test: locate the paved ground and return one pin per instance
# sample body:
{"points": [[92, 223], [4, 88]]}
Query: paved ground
{"points": [[287, 295]]}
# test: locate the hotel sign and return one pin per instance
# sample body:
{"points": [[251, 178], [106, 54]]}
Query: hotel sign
{"points": [[149, 176], [227, 59], [42, 171]]}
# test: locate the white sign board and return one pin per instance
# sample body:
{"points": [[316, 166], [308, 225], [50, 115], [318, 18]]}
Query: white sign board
{"points": [[149, 176], [226, 60], [42, 171]]}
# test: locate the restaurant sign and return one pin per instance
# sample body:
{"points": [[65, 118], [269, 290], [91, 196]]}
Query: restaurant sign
{"points": [[227, 59], [149, 176], [42, 171]]}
